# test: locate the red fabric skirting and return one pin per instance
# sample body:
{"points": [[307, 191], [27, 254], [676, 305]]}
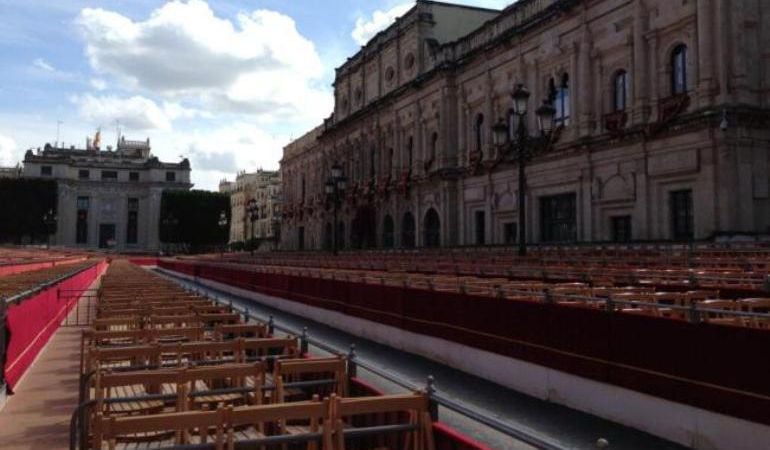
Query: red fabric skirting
{"points": [[718, 368], [32, 322]]}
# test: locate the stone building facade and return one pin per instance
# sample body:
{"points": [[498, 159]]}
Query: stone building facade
{"points": [[264, 186], [108, 199], [662, 112]]}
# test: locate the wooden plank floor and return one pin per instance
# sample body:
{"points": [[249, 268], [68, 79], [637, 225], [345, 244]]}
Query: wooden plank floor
{"points": [[37, 416]]}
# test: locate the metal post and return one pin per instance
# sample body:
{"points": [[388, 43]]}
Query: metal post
{"points": [[694, 313], [334, 226], [303, 344], [352, 366], [522, 138], [548, 295], [270, 325], [430, 389], [246, 315]]}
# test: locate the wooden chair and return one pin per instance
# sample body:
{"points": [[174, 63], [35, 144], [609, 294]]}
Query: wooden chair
{"points": [[719, 318], [756, 305], [169, 429], [333, 370], [412, 411], [250, 423], [198, 380]]}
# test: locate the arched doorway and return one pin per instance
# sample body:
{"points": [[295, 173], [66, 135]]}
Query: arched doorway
{"points": [[388, 232], [328, 236], [341, 235], [432, 237], [363, 233], [407, 230]]}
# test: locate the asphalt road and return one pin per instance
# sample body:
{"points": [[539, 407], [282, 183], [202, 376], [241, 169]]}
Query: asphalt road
{"points": [[562, 427]]}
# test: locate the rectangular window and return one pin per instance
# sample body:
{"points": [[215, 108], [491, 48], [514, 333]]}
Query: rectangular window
{"points": [[46, 171], [510, 233], [110, 175], [81, 225], [621, 228], [681, 214], [171, 176], [84, 174], [133, 176], [480, 227], [132, 225], [558, 218]]}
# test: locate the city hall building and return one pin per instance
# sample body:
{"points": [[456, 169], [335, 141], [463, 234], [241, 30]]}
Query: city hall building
{"points": [[661, 127], [108, 199]]}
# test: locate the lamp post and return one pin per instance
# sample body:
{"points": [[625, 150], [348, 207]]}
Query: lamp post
{"points": [[335, 188], [519, 144], [223, 221], [49, 219], [253, 210]]}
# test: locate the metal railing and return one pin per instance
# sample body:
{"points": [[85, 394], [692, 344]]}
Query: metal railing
{"points": [[354, 363]]}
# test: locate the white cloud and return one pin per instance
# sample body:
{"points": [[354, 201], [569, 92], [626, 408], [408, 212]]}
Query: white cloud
{"points": [[98, 84], [367, 27], [42, 64], [136, 113], [8, 156], [258, 64]]}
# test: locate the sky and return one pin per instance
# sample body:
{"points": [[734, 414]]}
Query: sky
{"points": [[226, 84]]}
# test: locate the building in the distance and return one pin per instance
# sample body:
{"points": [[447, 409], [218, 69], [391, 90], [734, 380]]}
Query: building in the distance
{"points": [[11, 172], [108, 199], [662, 115], [263, 187]]}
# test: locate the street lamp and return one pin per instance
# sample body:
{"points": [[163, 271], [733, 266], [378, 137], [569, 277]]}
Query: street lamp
{"points": [[253, 212], [518, 142], [335, 188], [49, 219], [223, 225]]}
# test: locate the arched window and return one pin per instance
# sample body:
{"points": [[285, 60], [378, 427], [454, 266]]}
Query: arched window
{"points": [[478, 132], [679, 70], [432, 150], [387, 232], [407, 230], [432, 229], [510, 120], [620, 91], [561, 101]]}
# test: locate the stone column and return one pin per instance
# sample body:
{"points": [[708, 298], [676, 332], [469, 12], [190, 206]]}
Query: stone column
{"points": [[640, 73], [584, 85], [705, 51]]}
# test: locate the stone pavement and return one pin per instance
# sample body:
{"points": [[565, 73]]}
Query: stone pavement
{"points": [[37, 416]]}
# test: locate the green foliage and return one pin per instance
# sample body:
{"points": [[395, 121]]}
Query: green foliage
{"points": [[192, 218], [23, 203]]}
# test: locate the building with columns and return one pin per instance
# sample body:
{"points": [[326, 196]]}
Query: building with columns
{"points": [[264, 187], [108, 199], [662, 127]]}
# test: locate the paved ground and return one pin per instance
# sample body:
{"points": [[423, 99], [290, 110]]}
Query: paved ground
{"points": [[37, 416], [566, 428]]}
